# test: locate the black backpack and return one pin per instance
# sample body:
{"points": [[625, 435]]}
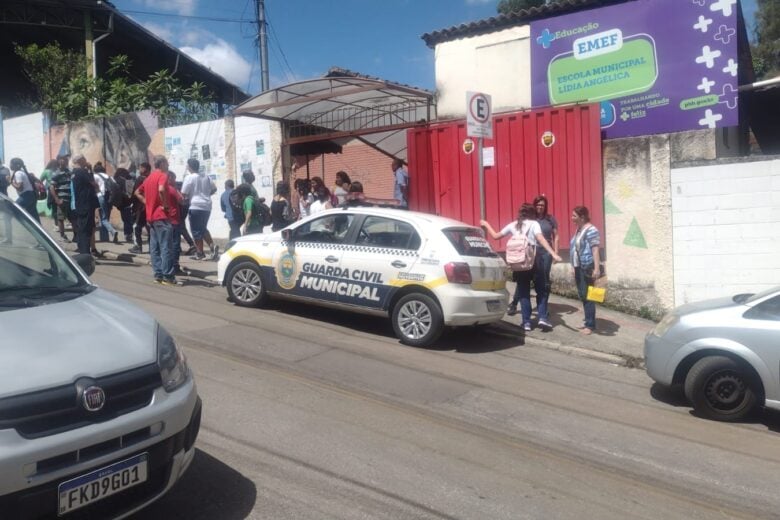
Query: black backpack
{"points": [[119, 197], [264, 212]]}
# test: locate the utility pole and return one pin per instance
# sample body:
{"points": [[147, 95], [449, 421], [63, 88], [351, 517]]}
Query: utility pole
{"points": [[262, 40]]}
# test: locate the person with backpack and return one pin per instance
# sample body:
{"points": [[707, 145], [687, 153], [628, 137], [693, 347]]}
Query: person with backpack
{"points": [[122, 199], [105, 187], [526, 235], [249, 209], [586, 260], [281, 210], [138, 208], [23, 182], [61, 196], [227, 209]]}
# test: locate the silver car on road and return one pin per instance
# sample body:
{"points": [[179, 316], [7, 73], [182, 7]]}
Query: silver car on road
{"points": [[98, 410], [726, 353]]}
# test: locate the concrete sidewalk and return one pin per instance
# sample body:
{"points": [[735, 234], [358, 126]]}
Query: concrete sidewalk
{"points": [[619, 338]]}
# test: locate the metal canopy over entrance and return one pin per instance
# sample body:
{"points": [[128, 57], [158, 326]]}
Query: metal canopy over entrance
{"points": [[344, 105]]}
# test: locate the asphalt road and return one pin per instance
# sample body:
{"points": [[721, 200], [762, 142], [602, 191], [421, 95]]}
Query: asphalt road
{"points": [[311, 413]]}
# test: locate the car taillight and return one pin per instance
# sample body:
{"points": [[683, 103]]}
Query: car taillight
{"points": [[458, 272]]}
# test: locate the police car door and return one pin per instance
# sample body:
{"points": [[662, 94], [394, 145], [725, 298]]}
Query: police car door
{"points": [[381, 260], [311, 267]]}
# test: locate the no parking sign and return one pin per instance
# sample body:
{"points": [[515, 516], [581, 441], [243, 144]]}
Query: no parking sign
{"points": [[479, 115]]}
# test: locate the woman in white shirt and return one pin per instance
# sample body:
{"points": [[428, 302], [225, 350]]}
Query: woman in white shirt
{"points": [[342, 187], [20, 180], [528, 226]]}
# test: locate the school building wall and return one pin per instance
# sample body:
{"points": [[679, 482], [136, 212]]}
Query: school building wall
{"points": [[726, 229]]}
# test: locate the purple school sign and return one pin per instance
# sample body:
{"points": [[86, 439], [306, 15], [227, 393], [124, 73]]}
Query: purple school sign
{"points": [[655, 66]]}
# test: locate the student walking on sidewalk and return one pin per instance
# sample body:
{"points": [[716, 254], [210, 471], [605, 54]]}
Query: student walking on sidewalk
{"points": [[585, 257], [198, 188], [526, 229]]}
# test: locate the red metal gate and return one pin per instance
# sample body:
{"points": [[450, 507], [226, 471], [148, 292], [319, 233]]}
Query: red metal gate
{"points": [[444, 179]]}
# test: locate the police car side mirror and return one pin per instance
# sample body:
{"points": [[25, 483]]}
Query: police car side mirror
{"points": [[287, 235]]}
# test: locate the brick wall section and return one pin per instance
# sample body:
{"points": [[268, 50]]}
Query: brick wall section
{"points": [[360, 161]]}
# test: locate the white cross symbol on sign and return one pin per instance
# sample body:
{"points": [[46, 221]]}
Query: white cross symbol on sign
{"points": [[706, 85], [710, 119], [723, 5], [708, 56], [731, 68], [704, 24]]}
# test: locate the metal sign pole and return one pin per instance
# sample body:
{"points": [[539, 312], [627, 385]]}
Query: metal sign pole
{"points": [[481, 180]]}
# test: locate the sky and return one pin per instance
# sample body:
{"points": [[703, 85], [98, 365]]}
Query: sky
{"points": [[307, 37]]}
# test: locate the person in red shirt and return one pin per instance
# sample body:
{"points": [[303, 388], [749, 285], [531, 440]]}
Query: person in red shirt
{"points": [[154, 193]]}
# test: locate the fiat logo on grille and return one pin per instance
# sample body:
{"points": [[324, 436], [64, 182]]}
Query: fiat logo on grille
{"points": [[93, 398]]}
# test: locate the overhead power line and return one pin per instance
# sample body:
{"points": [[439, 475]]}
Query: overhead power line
{"points": [[207, 18]]}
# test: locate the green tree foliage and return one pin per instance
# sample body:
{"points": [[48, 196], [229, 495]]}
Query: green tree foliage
{"points": [[49, 68], [509, 6], [766, 51], [72, 95]]}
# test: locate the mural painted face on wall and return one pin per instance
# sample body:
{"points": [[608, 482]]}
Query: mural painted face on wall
{"points": [[86, 139]]}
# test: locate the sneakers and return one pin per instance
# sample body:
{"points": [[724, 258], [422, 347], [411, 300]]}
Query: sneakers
{"points": [[116, 238], [183, 271], [511, 310], [158, 280], [198, 256], [215, 254], [527, 327], [545, 325], [191, 251], [170, 281], [136, 249]]}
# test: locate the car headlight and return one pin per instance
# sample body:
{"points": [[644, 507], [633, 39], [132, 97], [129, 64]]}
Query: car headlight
{"points": [[172, 363], [669, 321], [230, 244]]}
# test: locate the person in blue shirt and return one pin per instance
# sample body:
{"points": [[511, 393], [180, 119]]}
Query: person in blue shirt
{"points": [[586, 260], [401, 184], [224, 202]]}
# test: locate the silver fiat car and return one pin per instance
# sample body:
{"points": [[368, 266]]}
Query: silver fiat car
{"points": [[724, 352], [98, 409]]}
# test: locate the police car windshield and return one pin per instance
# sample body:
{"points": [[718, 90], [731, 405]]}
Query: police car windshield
{"points": [[469, 242], [30, 265]]}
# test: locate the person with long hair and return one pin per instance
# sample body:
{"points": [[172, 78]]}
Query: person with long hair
{"points": [[20, 179], [281, 210], [586, 260], [543, 261], [343, 183], [527, 226]]}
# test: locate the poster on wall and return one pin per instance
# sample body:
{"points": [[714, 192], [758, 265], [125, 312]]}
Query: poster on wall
{"points": [[655, 66]]}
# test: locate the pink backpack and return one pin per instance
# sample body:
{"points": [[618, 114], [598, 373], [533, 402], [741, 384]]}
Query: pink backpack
{"points": [[520, 252]]}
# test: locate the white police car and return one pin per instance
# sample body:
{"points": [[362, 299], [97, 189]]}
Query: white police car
{"points": [[424, 272]]}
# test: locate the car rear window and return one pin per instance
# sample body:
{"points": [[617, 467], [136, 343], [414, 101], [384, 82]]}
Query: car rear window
{"points": [[469, 242]]}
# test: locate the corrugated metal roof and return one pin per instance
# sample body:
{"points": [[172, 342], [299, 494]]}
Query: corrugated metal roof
{"points": [[503, 21]]}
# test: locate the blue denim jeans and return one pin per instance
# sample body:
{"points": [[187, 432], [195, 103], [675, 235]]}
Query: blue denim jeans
{"points": [[583, 278], [161, 249], [106, 227], [28, 201], [542, 267], [522, 296]]}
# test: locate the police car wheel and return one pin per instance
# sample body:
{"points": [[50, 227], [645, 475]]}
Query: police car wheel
{"points": [[417, 320], [245, 285]]}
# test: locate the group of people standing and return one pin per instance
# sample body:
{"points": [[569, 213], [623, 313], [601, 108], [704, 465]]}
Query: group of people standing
{"points": [[540, 228]]}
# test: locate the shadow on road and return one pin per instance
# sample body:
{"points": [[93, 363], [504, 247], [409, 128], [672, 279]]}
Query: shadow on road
{"points": [[208, 490], [674, 396]]}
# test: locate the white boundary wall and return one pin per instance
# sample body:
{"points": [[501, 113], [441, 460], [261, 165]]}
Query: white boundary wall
{"points": [[726, 229], [23, 138]]}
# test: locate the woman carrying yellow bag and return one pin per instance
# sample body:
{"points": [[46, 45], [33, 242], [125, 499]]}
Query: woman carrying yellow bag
{"points": [[585, 257]]}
